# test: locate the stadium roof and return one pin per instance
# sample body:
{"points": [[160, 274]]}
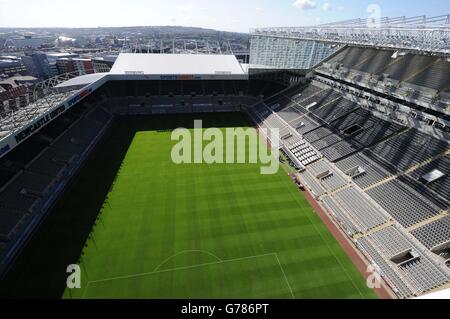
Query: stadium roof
{"points": [[82, 80], [422, 33], [176, 64]]}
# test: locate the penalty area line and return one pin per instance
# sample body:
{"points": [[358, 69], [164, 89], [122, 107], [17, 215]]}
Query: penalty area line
{"points": [[178, 268]]}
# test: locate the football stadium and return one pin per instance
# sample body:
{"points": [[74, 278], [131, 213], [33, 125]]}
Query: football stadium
{"points": [[359, 207]]}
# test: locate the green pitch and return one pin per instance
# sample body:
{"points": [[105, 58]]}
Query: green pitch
{"points": [[209, 231]]}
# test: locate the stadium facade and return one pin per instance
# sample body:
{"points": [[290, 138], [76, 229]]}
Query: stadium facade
{"points": [[363, 114]]}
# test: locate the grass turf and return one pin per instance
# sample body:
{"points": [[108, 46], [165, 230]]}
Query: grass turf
{"points": [[209, 231]]}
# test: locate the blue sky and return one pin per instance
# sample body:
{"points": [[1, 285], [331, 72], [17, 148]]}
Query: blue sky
{"points": [[230, 15]]}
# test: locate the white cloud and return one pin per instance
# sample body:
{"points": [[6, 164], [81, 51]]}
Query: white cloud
{"points": [[305, 4], [326, 6], [259, 9]]}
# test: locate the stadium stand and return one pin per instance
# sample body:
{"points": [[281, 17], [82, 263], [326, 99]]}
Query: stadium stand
{"points": [[327, 175], [366, 214], [439, 183], [421, 70], [384, 182], [386, 270], [436, 76], [396, 170], [36, 171], [434, 234], [405, 258], [302, 152], [350, 227], [312, 183], [403, 203], [408, 149], [362, 170]]}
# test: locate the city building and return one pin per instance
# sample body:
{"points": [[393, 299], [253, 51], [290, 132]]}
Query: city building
{"points": [[29, 41], [52, 57], [38, 65], [10, 65], [79, 65]]}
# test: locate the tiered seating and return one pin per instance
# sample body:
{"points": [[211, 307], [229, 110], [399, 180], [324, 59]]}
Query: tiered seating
{"points": [[12, 220], [422, 70], [144, 88], [170, 87], [327, 175], [85, 131], [294, 90], [304, 125], [409, 148], [440, 186], [213, 86], [364, 128], [326, 141], [40, 171], [403, 203], [377, 63], [339, 150], [335, 110], [318, 134], [435, 233], [191, 87], [230, 88], [312, 183], [272, 88], [304, 153], [307, 92], [424, 275], [17, 195], [57, 127], [391, 242], [344, 220], [372, 173], [353, 56], [290, 112], [179, 88], [319, 99], [375, 132], [358, 117], [24, 153], [7, 172], [50, 163], [272, 121], [388, 271], [277, 101], [407, 66], [420, 271], [360, 208], [257, 87], [100, 115], [436, 76], [330, 144]]}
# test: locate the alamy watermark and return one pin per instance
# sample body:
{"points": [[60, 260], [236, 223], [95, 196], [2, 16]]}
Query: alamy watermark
{"points": [[226, 146], [374, 19], [373, 278], [74, 279]]}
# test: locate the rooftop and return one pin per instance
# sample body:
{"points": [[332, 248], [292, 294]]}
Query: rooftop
{"points": [[177, 64]]}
